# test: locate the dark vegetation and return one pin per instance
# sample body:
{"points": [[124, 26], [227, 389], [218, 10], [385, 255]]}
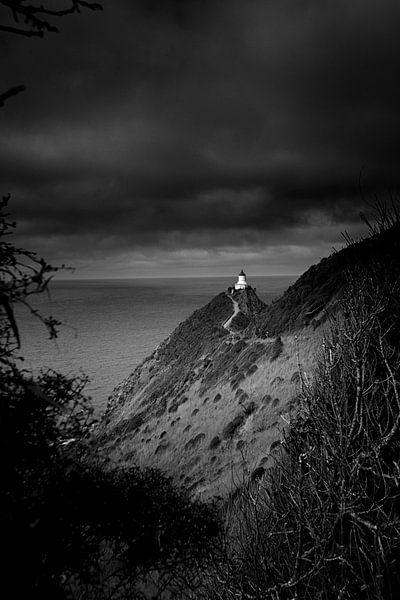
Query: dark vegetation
{"points": [[240, 321], [195, 441], [233, 426], [250, 307], [215, 442], [249, 303], [250, 408], [324, 521], [70, 528], [277, 348]]}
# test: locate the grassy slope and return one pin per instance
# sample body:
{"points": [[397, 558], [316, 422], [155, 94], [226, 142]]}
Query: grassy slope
{"points": [[207, 404], [309, 300]]}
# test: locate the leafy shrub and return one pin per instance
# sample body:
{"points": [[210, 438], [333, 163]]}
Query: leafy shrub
{"points": [[240, 321], [243, 397], [257, 473], [239, 346], [251, 370], [324, 521], [194, 442], [215, 442], [277, 348], [233, 426], [239, 377], [296, 377], [275, 445], [177, 403], [250, 408], [161, 448], [72, 528], [135, 422]]}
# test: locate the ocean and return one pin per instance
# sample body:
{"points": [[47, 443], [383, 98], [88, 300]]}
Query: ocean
{"points": [[110, 326]]}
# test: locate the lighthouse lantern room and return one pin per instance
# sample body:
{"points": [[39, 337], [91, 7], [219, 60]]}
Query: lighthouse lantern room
{"points": [[241, 283]]}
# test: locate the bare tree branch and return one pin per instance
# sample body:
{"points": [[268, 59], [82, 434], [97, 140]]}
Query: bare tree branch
{"points": [[24, 32], [11, 92], [35, 16], [36, 22]]}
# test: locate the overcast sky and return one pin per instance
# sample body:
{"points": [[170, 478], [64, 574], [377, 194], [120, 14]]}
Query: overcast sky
{"points": [[195, 137]]}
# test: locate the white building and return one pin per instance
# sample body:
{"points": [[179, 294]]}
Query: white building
{"points": [[241, 282]]}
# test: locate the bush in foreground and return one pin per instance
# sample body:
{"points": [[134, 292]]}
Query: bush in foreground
{"points": [[325, 521], [70, 528]]}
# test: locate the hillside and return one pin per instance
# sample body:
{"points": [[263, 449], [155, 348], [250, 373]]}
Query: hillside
{"points": [[311, 299], [210, 404]]}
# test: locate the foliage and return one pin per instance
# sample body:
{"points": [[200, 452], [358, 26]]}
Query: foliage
{"points": [[22, 274], [277, 348], [240, 321], [71, 528], [324, 521], [232, 427]]}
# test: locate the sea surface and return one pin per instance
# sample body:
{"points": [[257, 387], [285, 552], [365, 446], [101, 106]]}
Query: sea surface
{"points": [[110, 326]]}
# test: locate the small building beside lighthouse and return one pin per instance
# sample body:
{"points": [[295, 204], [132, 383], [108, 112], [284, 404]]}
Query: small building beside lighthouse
{"points": [[241, 283]]}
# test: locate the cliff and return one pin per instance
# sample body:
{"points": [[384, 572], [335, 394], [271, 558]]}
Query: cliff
{"points": [[210, 404]]}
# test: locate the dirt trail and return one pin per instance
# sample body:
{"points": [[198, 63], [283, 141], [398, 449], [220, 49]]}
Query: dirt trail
{"points": [[227, 323]]}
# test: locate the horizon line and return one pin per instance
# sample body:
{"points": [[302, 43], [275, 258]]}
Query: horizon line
{"points": [[167, 277]]}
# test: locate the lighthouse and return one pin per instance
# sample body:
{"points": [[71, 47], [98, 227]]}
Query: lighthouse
{"points": [[241, 283]]}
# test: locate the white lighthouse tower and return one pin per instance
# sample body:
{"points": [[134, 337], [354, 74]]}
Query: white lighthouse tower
{"points": [[241, 283]]}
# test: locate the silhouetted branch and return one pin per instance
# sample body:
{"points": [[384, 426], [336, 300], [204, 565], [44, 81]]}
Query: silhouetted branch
{"points": [[25, 32], [36, 22], [35, 16], [11, 92]]}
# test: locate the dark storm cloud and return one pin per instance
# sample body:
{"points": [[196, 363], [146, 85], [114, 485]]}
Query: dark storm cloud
{"points": [[202, 126]]}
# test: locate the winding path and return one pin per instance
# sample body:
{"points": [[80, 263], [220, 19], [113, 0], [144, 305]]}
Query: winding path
{"points": [[227, 324]]}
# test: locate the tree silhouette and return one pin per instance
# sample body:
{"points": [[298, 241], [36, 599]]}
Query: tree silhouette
{"points": [[72, 528]]}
